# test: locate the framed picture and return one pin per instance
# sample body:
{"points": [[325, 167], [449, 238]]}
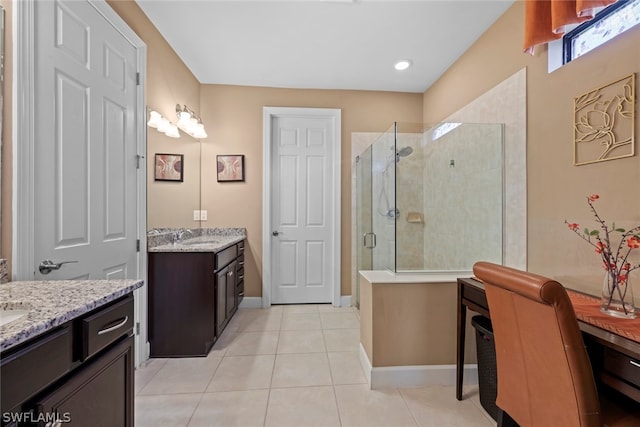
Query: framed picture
{"points": [[169, 167], [230, 167]]}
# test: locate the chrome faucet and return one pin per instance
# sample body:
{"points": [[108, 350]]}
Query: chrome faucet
{"points": [[178, 234]]}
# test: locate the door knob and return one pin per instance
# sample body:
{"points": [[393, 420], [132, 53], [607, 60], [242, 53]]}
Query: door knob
{"points": [[276, 233], [47, 265]]}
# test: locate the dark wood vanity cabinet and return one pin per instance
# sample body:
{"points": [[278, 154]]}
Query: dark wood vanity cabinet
{"points": [[192, 297], [99, 395], [78, 374], [181, 304]]}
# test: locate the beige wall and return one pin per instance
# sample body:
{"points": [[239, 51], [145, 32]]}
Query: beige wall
{"points": [[556, 189], [410, 324], [7, 137], [169, 82], [233, 120], [233, 116]]}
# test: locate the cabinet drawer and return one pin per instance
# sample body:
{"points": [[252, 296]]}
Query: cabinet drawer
{"points": [[622, 366], [106, 326], [29, 370], [225, 256]]}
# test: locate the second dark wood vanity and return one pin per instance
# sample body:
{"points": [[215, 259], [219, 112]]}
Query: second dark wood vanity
{"points": [[192, 297]]}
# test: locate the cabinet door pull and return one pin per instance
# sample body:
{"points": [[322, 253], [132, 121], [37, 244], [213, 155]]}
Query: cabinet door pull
{"points": [[114, 327], [636, 364]]}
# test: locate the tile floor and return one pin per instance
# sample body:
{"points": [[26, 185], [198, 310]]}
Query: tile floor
{"points": [[290, 366]]}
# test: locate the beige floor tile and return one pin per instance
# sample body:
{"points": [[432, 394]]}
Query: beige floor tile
{"points": [[183, 375], [243, 373], [300, 308], [346, 368], [339, 320], [300, 370], [220, 347], [301, 342], [437, 406], [252, 343], [255, 320], [301, 322], [146, 372], [302, 406], [231, 409], [329, 308], [267, 321], [342, 339], [166, 410], [358, 406], [472, 394]]}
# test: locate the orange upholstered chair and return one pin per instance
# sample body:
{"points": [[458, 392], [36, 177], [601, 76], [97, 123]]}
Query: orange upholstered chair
{"points": [[544, 373]]}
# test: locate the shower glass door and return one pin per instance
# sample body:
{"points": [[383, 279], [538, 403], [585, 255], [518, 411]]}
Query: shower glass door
{"points": [[376, 211], [365, 239]]}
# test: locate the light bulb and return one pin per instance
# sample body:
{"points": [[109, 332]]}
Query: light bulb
{"points": [[154, 119], [172, 131]]}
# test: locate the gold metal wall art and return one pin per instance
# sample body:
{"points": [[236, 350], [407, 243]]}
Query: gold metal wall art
{"points": [[604, 123]]}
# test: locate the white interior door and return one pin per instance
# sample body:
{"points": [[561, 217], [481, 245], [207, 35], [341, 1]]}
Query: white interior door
{"points": [[85, 144], [303, 229]]}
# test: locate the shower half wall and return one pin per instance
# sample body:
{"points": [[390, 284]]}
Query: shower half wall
{"points": [[429, 199]]}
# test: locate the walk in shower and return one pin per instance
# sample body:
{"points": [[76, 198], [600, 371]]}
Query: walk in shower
{"points": [[429, 199]]}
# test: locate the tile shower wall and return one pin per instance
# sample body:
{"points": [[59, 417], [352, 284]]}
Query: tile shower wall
{"points": [[462, 190], [410, 225]]}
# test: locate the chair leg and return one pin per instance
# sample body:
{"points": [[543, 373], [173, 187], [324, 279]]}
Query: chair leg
{"points": [[504, 420]]}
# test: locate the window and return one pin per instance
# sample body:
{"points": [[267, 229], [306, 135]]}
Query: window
{"points": [[607, 24]]}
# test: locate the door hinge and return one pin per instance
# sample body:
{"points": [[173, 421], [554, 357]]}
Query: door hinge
{"points": [[137, 79], [138, 158], [138, 328], [138, 245]]}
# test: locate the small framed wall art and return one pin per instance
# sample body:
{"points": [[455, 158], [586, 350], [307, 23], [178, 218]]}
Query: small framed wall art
{"points": [[169, 167], [230, 167]]}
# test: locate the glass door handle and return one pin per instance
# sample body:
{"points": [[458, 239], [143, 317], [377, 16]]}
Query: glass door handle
{"points": [[365, 241]]}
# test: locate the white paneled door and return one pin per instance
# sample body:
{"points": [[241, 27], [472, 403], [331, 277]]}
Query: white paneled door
{"points": [[303, 200], [85, 145]]}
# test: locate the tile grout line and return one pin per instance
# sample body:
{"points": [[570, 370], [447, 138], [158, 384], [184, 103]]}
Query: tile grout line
{"points": [[194, 410]]}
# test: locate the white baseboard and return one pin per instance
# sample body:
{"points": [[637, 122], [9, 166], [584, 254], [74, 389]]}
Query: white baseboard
{"points": [[414, 376], [256, 302], [345, 301], [366, 364], [251, 302]]}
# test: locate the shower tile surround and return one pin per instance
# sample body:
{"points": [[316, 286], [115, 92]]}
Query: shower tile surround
{"points": [[506, 104]]}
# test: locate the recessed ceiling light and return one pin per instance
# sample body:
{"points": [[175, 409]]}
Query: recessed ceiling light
{"points": [[402, 65]]}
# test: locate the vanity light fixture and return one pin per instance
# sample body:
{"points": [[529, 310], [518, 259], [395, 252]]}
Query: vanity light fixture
{"points": [[162, 124], [402, 65], [189, 123]]}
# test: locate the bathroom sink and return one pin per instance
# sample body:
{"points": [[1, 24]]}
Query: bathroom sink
{"points": [[12, 312], [199, 243]]}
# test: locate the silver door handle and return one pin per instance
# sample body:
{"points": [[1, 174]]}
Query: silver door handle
{"points": [[276, 233], [364, 240], [47, 265]]}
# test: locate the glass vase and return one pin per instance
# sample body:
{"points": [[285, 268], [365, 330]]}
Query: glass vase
{"points": [[617, 296]]}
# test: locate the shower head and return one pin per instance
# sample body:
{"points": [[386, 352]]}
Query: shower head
{"points": [[405, 151]]}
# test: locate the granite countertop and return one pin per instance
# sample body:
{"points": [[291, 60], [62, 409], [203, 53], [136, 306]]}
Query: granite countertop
{"points": [[52, 303], [195, 240]]}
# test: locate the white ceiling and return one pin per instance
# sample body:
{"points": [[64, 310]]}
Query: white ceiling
{"points": [[332, 44]]}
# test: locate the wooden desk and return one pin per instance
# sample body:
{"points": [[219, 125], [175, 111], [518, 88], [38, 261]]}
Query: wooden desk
{"points": [[616, 360]]}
